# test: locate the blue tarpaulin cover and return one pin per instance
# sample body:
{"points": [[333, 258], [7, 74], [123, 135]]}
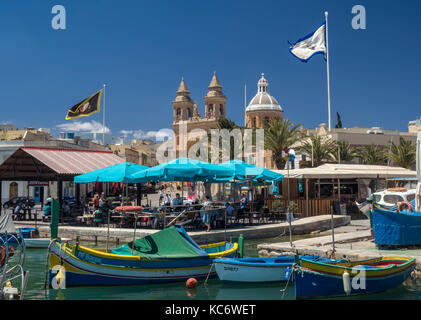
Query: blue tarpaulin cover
{"points": [[396, 228]]}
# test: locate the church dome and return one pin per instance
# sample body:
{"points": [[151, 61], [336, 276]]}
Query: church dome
{"points": [[263, 100]]}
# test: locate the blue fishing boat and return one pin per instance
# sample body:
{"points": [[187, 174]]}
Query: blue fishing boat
{"points": [[314, 279], [256, 269]]}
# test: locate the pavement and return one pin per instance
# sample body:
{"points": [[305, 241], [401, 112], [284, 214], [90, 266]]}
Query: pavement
{"points": [[259, 231], [353, 241]]}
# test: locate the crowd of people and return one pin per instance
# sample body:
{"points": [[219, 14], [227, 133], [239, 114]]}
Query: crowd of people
{"points": [[205, 214]]}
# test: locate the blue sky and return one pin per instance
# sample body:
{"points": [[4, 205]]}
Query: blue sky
{"points": [[141, 49]]}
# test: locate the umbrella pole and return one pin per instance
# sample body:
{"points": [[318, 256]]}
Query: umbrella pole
{"points": [[108, 228], [289, 214], [134, 233], [225, 234]]}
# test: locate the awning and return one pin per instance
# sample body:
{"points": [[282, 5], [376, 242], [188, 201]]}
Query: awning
{"points": [[348, 171], [30, 163]]}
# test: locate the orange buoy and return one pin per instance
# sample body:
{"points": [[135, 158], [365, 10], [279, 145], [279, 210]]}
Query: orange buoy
{"points": [[191, 283]]}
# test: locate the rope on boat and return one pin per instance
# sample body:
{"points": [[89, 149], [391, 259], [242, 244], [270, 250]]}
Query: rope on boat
{"points": [[289, 278], [48, 262], [206, 281]]}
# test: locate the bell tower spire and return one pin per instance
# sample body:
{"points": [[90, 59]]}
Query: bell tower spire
{"points": [[183, 104], [215, 100]]}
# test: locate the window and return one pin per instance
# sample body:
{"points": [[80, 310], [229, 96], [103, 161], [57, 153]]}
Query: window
{"points": [[410, 197], [221, 109], [377, 197], [392, 198], [13, 190], [254, 122], [210, 108]]}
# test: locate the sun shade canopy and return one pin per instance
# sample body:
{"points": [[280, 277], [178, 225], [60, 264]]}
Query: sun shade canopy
{"points": [[183, 169], [120, 172]]}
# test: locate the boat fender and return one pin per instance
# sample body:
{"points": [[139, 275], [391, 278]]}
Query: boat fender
{"points": [[347, 282], [32, 234], [288, 271]]}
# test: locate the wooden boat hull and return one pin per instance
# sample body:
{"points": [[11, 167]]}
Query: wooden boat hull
{"points": [[84, 266], [313, 279], [254, 269]]}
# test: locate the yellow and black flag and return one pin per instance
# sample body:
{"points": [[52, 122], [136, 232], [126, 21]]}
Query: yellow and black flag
{"points": [[86, 107]]}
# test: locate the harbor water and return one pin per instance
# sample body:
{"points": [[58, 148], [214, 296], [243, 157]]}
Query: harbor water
{"points": [[214, 290]]}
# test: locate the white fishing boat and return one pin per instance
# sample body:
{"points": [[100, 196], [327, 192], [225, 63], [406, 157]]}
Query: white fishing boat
{"points": [[387, 198], [255, 269]]}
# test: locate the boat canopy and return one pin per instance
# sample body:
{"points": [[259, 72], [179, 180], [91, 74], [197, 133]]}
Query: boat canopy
{"points": [[170, 243]]}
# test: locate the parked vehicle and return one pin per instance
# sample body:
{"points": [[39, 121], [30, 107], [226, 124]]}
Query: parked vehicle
{"points": [[12, 203]]}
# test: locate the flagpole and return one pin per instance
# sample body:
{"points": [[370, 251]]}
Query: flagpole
{"points": [[103, 120], [328, 70]]}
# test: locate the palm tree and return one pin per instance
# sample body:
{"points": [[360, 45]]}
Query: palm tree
{"points": [[280, 135], [373, 154], [225, 123], [404, 154], [346, 152], [319, 149]]}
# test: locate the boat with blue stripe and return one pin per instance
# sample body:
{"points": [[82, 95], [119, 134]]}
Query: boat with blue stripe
{"points": [[166, 256], [315, 279], [270, 269]]}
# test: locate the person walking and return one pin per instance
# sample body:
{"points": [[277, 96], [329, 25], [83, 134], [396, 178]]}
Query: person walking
{"points": [[207, 212]]}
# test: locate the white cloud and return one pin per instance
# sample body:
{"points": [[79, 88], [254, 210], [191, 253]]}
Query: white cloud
{"points": [[78, 126], [156, 135], [126, 133]]}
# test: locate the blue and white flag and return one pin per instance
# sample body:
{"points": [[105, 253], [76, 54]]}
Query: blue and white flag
{"points": [[312, 44]]}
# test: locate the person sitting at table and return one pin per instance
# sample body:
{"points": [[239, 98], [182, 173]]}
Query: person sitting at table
{"points": [[229, 208], [96, 201], [206, 213], [17, 210], [243, 202], [177, 201], [47, 209], [167, 199], [102, 199], [97, 218], [66, 208]]}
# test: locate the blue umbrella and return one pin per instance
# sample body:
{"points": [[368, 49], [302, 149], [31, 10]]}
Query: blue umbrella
{"points": [[183, 169], [246, 171], [120, 172]]}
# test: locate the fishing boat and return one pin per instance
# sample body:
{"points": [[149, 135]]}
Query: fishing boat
{"points": [[13, 278], [327, 279], [387, 199], [256, 269], [166, 256]]}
